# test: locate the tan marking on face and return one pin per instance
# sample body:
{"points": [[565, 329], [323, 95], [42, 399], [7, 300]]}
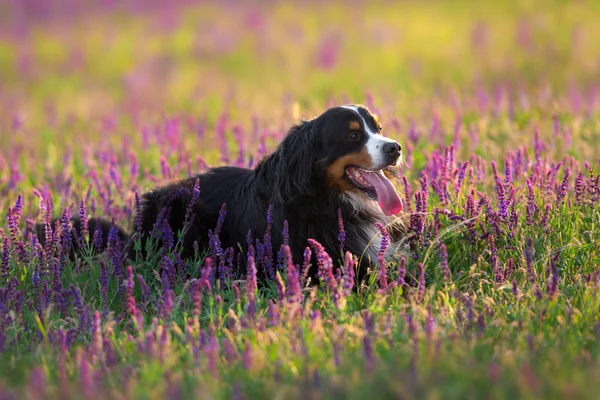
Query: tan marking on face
{"points": [[354, 125], [337, 170], [377, 123]]}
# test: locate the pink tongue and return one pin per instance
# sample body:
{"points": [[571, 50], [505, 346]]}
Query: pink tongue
{"points": [[387, 197]]}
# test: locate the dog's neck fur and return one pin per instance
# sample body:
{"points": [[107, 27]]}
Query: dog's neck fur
{"points": [[370, 230]]}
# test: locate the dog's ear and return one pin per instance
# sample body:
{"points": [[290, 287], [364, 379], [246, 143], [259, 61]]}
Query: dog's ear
{"points": [[296, 164]]}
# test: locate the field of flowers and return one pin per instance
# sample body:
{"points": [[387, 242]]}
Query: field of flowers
{"points": [[497, 105]]}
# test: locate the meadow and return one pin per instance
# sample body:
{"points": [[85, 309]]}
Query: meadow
{"points": [[495, 295]]}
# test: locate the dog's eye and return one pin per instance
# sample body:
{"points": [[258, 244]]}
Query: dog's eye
{"points": [[379, 127], [353, 136]]}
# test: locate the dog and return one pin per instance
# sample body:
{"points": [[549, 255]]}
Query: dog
{"points": [[336, 162]]}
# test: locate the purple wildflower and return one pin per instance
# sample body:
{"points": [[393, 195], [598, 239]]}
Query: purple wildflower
{"points": [[508, 171], [461, 176], [268, 246], [424, 185], [446, 273], [216, 251], [503, 203], [12, 225], [531, 205], [66, 241], [251, 284], [293, 292], [342, 232], [168, 238], [385, 242], [285, 234], [77, 299], [114, 251], [168, 269], [562, 189], [515, 289], [273, 312], [579, 188], [167, 297], [84, 222], [348, 279], [402, 272], [552, 286], [197, 299], [57, 287], [146, 292], [138, 213], [306, 264], [18, 209], [325, 266], [546, 216], [131, 306], [407, 195], [189, 212], [416, 219], [529, 261], [97, 239], [5, 255]]}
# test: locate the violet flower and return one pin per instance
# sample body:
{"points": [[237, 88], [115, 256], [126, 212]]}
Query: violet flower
{"points": [[268, 246], [531, 207], [84, 234], [446, 273], [130, 299], [293, 292], [546, 216], [12, 225], [562, 189], [342, 232], [348, 279], [167, 297], [402, 273], [461, 176], [285, 234], [579, 188], [325, 265], [385, 242], [138, 214], [4, 272], [407, 195], [251, 283]]}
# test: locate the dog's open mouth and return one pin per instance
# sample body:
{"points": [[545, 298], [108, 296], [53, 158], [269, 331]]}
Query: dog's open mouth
{"points": [[378, 187]]}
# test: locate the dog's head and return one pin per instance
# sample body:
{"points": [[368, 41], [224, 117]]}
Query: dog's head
{"points": [[344, 150]]}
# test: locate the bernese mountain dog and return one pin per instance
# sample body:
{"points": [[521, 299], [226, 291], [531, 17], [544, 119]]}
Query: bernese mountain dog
{"points": [[336, 162]]}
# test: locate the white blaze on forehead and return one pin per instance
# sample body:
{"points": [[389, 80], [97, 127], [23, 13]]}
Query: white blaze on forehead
{"points": [[374, 143]]}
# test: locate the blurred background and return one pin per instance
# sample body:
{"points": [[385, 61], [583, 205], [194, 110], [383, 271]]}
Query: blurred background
{"points": [[160, 89], [95, 57]]}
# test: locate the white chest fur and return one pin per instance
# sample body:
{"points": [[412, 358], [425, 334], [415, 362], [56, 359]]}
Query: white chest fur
{"points": [[371, 232]]}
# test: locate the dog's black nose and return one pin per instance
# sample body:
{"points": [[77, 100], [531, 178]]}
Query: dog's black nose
{"points": [[392, 148]]}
